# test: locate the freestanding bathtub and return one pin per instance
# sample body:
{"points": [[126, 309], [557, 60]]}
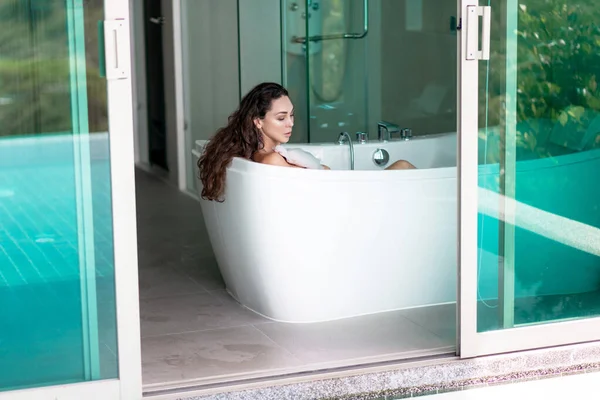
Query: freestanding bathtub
{"points": [[301, 245], [310, 245]]}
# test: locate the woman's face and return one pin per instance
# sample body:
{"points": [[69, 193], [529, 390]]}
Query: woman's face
{"points": [[277, 125]]}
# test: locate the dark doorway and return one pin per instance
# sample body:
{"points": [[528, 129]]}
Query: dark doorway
{"points": [[155, 83]]}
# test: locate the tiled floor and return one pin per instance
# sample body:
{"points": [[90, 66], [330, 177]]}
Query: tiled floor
{"points": [[193, 331]]}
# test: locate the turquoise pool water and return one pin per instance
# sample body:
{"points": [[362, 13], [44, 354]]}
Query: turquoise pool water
{"points": [[554, 279], [42, 323]]}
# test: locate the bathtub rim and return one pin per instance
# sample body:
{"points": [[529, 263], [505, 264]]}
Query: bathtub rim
{"points": [[247, 167], [244, 166]]}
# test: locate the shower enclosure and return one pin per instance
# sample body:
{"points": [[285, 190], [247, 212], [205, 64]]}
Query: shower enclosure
{"points": [[350, 64]]}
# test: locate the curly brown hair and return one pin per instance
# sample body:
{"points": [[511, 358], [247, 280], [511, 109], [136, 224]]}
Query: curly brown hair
{"points": [[240, 138]]}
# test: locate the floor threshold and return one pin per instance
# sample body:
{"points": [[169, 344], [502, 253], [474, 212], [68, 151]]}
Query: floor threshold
{"points": [[193, 388]]}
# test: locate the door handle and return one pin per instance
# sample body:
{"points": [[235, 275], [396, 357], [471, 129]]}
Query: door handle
{"points": [[472, 26], [158, 20], [116, 43]]}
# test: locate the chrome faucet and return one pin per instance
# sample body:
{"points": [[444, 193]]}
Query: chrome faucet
{"points": [[341, 140], [362, 137], [385, 130]]}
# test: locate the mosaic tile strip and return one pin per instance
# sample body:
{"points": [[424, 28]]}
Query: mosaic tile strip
{"points": [[437, 378], [479, 382]]}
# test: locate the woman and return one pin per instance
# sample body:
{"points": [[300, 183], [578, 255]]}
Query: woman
{"points": [[263, 121]]}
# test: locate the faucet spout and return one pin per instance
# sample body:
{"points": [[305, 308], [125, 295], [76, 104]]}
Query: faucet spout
{"points": [[341, 140], [385, 130]]}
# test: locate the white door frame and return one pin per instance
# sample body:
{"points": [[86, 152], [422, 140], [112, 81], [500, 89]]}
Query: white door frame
{"points": [[138, 81], [98, 390], [473, 343], [121, 133], [120, 110], [182, 165]]}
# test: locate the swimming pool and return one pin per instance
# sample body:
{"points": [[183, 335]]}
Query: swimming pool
{"points": [[48, 322]]}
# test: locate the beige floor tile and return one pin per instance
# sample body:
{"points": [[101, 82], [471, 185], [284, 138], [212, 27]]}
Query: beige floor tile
{"points": [[193, 312], [439, 320], [166, 281], [353, 338], [212, 353]]}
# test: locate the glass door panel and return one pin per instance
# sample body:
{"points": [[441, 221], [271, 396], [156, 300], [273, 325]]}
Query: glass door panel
{"points": [[336, 73], [58, 309], [317, 66], [531, 162]]}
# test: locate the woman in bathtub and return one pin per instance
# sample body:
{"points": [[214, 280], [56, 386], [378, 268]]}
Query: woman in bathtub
{"points": [[255, 131]]}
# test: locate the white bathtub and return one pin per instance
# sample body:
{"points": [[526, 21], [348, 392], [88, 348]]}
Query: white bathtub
{"points": [[309, 245]]}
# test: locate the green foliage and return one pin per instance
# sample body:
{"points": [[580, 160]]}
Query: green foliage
{"points": [[35, 97], [36, 79], [558, 68]]}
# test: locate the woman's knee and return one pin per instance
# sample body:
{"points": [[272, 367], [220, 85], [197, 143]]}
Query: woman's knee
{"points": [[401, 164]]}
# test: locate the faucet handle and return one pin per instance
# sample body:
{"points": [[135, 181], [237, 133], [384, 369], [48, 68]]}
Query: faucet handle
{"points": [[362, 137], [406, 133]]}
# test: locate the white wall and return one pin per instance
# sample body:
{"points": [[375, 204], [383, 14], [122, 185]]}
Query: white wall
{"points": [[211, 74], [260, 42]]}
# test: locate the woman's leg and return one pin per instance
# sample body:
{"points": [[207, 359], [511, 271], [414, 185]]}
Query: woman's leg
{"points": [[401, 164]]}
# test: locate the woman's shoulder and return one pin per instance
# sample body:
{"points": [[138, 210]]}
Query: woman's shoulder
{"points": [[269, 158], [272, 158]]}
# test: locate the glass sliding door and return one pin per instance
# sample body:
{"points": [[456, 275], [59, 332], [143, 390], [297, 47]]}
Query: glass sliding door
{"points": [[65, 196], [530, 162]]}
